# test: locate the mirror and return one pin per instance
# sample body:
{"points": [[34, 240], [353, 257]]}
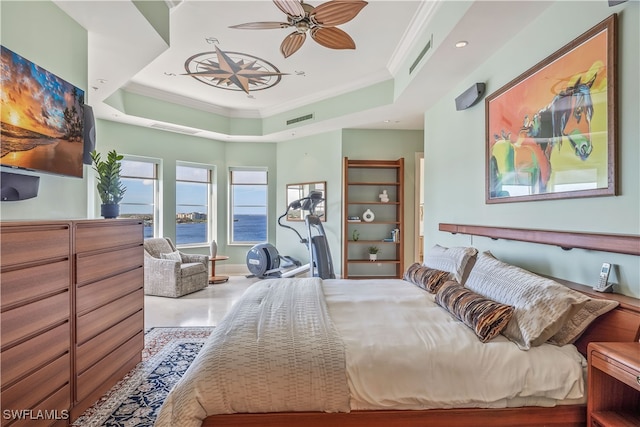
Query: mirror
{"points": [[298, 191]]}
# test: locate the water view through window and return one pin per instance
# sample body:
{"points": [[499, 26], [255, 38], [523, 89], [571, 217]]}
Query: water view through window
{"points": [[248, 210], [248, 205]]}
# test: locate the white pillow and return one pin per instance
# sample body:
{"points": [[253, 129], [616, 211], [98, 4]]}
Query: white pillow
{"points": [[457, 260], [542, 306], [175, 256], [576, 325]]}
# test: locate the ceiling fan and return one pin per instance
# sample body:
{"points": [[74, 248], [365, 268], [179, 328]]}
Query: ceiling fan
{"points": [[320, 22]]}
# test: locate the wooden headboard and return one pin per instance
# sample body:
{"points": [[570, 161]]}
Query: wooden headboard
{"points": [[620, 324]]}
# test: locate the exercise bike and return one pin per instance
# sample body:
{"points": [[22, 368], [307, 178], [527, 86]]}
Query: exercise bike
{"points": [[264, 260]]}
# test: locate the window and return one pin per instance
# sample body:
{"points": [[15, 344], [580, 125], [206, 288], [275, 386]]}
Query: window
{"points": [[248, 193], [140, 177], [193, 201]]}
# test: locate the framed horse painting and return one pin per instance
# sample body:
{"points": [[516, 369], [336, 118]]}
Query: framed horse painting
{"points": [[551, 132]]}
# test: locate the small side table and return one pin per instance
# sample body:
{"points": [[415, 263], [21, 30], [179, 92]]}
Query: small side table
{"points": [[214, 278], [613, 384]]}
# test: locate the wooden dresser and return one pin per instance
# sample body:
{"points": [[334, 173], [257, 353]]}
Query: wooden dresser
{"points": [[109, 298], [71, 313], [36, 290]]}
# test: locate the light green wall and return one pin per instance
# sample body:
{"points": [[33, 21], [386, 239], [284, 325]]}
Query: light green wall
{"points": [[319, 158], [455, 148], [390, 145], [63, 51], [172, 147], [310, 159]]}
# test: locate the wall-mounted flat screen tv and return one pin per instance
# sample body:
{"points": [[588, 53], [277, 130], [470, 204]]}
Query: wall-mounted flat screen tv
{"points": [[42, 119]]}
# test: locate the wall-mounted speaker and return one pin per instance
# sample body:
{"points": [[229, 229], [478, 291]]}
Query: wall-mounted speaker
{"points": [[89, 134], [470, 96], [18, 187]]}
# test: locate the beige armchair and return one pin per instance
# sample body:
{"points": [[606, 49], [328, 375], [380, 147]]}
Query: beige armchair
{"points": [[170, 273]]}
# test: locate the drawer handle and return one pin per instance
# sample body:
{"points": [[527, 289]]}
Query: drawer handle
{"points": [[638, 379]]}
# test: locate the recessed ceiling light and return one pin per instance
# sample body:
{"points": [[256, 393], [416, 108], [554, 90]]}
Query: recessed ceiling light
{"points": [[102, 81], [462, 43], [387, 121]]}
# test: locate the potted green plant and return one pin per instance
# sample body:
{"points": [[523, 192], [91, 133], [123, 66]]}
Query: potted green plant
{"points": [[373, 253], [110, 188]]}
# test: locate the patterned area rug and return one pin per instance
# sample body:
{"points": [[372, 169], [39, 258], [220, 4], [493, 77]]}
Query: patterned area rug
{"points": [[136, 399]]}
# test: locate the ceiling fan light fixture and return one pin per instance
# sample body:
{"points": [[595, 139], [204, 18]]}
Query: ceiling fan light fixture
{"points": [[319, 21], [302, 26]]}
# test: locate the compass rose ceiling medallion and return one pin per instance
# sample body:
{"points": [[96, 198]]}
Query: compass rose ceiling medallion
{"points": [[232, 71]]}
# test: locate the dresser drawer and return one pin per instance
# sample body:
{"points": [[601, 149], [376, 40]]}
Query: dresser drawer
{"points": [[96, 266], [24, 244], [25, 394], [59, 402], [104, 291], [98, 374], [32, 282], [105, 235], [98, 347], [31, 318], [616, 369], [100, 319], [32, 354]]}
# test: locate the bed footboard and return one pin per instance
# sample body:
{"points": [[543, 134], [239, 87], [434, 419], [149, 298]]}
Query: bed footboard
{"points": [[565, 416]]}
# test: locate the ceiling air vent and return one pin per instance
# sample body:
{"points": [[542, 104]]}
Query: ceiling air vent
{"points": [[170, 128], [300, 119], [424, 51]]}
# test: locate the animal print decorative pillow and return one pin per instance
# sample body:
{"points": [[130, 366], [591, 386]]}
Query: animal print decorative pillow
{"points": [[487, 318], [429, 279]]}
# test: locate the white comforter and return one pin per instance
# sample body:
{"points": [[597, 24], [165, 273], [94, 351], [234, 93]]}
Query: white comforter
{"points": [[404, 351], [275, 351], [401, 351]]}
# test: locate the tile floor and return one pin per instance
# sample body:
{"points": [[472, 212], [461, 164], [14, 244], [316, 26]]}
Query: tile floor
{"points": [[202, 308]]}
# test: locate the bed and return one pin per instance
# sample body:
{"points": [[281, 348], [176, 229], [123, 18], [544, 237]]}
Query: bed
{"points": [[389, 353]]}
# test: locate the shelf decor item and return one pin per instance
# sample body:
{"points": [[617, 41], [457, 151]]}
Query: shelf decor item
{"points": [[373, 252], [110, 187], [368, 216], [384, 197], [355, 235]]}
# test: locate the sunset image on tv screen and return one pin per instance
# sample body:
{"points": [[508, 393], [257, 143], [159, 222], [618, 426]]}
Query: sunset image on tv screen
{"points": [[42, 118]]}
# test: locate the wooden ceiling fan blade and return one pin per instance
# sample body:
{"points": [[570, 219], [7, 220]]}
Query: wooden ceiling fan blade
{"points": [[292, 8], [292, 43], [336, 12], [333, 38], [261, 25]]}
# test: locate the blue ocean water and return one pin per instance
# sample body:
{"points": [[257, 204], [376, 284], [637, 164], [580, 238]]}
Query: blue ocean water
{"points": [[246, 228], [250, 228]]}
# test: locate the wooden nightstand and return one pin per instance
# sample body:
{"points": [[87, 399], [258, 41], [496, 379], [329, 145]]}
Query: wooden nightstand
{"points": [[613, 384]]}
